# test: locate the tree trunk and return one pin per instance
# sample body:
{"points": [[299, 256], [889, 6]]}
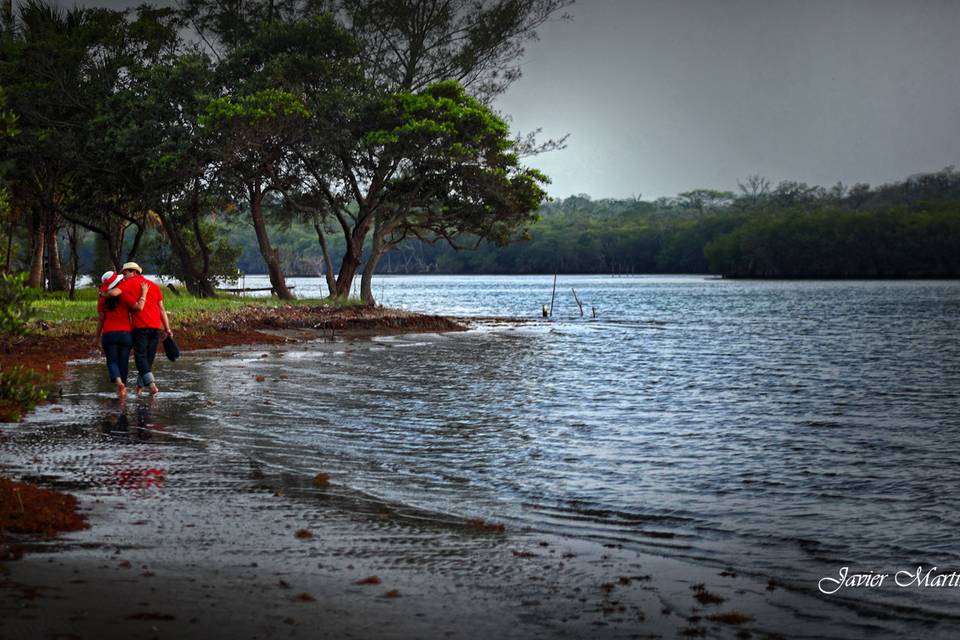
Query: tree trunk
{"points": [[35, 279], [270, 256], [192, 279], [6, 264], [135, 247], [353, 255], [366, 280], [204, 285], [74, 258], [348, 267], [58, 280], [327, 260], [113, 248], [376, 252], [7, 16]]}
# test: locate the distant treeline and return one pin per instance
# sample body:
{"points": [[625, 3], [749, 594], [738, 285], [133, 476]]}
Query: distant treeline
{"points": [[905, 229], [909, 228]]}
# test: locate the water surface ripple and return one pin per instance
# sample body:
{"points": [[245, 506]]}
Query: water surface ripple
{"points": [[782, 428]]}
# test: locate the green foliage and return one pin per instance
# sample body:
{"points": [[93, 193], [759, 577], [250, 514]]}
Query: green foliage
{"points": [[8, 119], [442, 112], [458, 172], [16, 304], [577, 235], [897, 242], [222, 257], [20, 391], [252, 109]]}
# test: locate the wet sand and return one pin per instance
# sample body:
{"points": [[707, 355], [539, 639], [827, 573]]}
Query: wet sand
{"points": [[188, 539]]}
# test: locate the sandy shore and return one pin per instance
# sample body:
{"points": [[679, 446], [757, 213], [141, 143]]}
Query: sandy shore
{"points": [[191, 540]]}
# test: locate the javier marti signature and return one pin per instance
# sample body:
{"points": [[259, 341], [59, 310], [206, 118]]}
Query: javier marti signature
{"points": [[919, 578]]}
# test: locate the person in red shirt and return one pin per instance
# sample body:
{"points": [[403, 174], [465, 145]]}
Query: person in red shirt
{"points": [[114, 329], [148, 323]]}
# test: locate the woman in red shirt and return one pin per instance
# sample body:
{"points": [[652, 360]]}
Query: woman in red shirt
{"points": [[114, 331]]}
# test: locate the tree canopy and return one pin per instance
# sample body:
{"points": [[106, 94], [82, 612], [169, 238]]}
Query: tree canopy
{"points": [[361, 116], [358, 136]]}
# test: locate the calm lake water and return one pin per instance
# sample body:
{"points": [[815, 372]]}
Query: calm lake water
{"points": [[786, 429]]}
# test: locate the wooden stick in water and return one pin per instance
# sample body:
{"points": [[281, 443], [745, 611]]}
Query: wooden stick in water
{"points": [[579, 304], [554, 294]]}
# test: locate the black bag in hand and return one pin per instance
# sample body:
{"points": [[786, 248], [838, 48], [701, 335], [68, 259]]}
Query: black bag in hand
{"points": [[170, 348]]}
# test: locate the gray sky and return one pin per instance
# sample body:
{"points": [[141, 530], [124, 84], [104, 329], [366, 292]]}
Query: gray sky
{"points": [[661, 96]]}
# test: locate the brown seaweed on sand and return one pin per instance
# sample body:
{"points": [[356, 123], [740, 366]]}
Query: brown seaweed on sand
{"points": [[26, 508], [703, 596], [482, 525], [731, 617]]}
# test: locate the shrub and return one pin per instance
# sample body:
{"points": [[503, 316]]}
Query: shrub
{"points": [[20, 391], [16, 304]]}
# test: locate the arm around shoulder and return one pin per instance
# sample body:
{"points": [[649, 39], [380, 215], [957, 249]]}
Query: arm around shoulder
{"points": [[142, 300]]}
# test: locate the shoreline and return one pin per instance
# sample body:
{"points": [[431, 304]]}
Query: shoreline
{"points": [[217, 551], [49, 351]]}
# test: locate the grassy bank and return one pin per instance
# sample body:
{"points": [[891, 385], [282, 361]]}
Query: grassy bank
{"points": [[57, 314]]}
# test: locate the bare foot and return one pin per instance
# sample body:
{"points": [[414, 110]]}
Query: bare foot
{"points": [[153, 389], [121, 390], [139, 390]]}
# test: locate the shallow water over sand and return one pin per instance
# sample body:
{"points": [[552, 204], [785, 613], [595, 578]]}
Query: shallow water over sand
{"points": [[784, 428]]}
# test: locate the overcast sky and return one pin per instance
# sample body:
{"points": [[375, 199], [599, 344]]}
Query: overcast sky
{"points": [[663, 96]]}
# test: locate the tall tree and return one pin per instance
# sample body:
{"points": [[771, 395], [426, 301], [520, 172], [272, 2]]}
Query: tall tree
{"points": [[405, 47], [312, 59], [253, 135], [8, 128], [457, 176], [155, 141], [41, 68], [62, 68]]}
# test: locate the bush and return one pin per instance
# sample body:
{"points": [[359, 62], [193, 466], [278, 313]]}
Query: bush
{"points": [[20, 391], [16, 304]]}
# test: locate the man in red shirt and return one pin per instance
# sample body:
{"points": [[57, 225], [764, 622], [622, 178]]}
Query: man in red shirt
{"points": [[148, 323]]}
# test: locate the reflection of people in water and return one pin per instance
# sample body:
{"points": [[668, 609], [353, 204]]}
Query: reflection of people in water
{"points": [[134, 471], [147, 426], [118, 423]]}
